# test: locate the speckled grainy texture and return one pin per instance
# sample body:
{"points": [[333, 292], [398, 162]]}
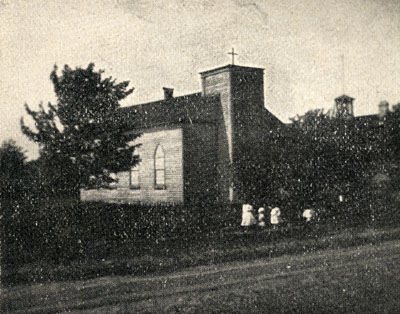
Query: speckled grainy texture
{"points": [[59, 255], [356, 280]]}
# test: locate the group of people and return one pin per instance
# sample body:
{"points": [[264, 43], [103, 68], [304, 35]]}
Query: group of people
{"points": [[249, 220]]}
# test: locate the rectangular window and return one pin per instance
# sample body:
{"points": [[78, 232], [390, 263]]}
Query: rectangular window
{"points": [[134, 179], [160, 177], [159, 168]]}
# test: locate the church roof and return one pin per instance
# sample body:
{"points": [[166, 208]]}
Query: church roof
{"points": [[344, 97], [183, 109], [230, 67]]}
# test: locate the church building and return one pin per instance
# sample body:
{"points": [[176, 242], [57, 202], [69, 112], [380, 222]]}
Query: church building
{"points": [[191, 145]]}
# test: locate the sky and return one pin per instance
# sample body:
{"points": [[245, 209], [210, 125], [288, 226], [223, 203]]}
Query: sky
{"points": [[154, 44]]}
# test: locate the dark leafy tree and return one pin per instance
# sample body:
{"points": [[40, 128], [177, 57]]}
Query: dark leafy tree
{"points": [[394, 129], [12, 190], [12, 170], [393, 143], [357, 158], [330, 157], [82, 137]]}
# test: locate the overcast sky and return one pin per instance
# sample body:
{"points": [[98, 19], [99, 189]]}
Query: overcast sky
{"points": [[166, 43]]}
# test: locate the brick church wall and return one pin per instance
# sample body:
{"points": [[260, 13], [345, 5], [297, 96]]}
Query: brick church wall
{"points": [[171, 141]]}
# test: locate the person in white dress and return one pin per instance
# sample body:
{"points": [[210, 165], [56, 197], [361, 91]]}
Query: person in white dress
{"points": [[261, 217], [247, 216], [275, 216], [309, 214]]}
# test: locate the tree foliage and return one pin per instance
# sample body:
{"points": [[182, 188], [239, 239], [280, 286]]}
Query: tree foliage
{"points": [[12, 169], [82, 137], [331, 156]]}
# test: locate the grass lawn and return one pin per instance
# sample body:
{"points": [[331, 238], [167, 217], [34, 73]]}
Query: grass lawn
{"points": [[361, 278], [134, 258]]}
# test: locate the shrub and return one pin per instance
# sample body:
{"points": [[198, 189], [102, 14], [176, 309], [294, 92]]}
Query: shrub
{"points": [[62, 230]]}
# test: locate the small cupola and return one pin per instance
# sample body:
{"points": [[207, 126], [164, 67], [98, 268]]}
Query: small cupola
{"points": [[344, 107]]}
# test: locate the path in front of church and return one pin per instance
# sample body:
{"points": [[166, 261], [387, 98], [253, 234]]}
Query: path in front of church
{"points": [[362, 279]]}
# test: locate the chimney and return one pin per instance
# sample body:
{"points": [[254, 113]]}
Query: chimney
{"points": [[383, 109], [168, 93]]}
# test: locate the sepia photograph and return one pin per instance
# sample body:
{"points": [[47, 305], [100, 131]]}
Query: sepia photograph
{"points": [[199, 156]]}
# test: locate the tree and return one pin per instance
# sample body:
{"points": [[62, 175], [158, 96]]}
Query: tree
{"points": [[12, 170], [392, 143], [331, 156], [12, 175], [82, 137], [394, 131]]}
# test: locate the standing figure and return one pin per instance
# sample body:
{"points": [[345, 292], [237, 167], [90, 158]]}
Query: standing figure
{"points": [[261, 217], [275, 216], [309, 214], [247, 216]]}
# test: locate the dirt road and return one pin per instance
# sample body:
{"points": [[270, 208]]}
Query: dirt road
{"points": [[355, 280]]}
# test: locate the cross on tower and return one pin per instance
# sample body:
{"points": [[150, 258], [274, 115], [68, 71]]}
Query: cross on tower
{"points": [[233, 53]]}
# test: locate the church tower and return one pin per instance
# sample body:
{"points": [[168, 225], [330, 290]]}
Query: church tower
{"points": [[241, 92]]}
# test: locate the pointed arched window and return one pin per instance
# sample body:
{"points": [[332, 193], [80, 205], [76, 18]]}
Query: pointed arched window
{"points": [[159, 168], [134, 178]]}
